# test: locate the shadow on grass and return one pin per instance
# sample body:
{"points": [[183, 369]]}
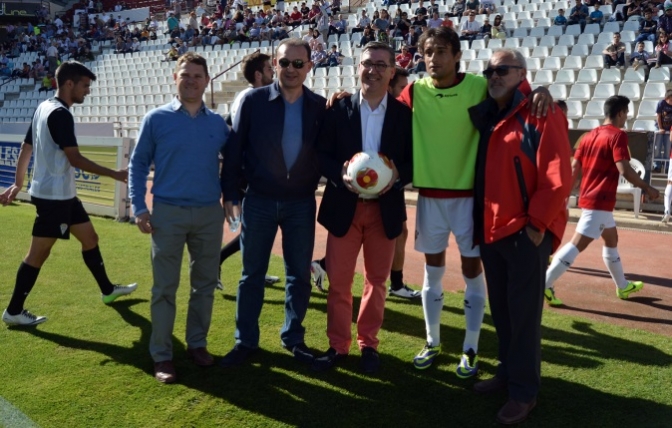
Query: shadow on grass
{"points": [[647, 279], [137, 355]]}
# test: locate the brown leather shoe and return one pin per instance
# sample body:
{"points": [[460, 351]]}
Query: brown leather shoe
{"points": [[489, 386], [164, 372], [515, 412], [201, 357]]}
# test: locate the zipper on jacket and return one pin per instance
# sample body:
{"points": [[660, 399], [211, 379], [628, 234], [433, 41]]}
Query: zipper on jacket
{"points": [[521, 182]]}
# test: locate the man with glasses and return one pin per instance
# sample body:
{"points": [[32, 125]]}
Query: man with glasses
{"points": [[443, 172], [371, 121], [272, 147], [470, 28], [523, 172]]}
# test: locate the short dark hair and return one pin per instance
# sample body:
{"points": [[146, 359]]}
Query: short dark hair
{"points": [[194, 58], [562, 104], [398, 73], [614, 105], [252, 63], [380, 46], [72, 70], [444, 34], [294, 41], [668, 93]]}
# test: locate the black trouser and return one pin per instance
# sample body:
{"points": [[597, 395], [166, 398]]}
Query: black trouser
{"points": [[515, 271]]}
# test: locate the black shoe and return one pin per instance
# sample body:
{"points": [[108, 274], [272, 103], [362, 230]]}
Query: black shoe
{"points": [[237, 356], [301, 352], [328, 360], [370, 360]]}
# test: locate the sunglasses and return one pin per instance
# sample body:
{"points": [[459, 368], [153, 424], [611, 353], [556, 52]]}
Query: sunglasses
{"points": [[501, 71], [297, 63]]}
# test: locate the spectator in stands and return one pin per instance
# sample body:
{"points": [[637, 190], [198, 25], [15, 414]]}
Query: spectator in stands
{"points": [[639, 57], [366, 38], [403, 26], [296, 16], [487, 7], [663, 50], [419, 21], [498, 28], [663, 122], [314, 39], [5, 72], [469, 28], [404, 59], [647, 28], [411, 40], [596, 16], [337, 26], [172, 22], [305, 10], [578, 14], [381, 24], [255, 32], [665, 21], [48, 83], [52, 57], [171, 55], [37, 71], [614, 53], [633, 8], [447, 22], [363, 22], [335, 57], [471, 6], [435, 21], [319, 57], [421, 9], [486, 29]]}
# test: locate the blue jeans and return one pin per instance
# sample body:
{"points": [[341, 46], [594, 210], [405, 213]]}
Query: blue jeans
{"points": [[260, 220], [646, 36]]}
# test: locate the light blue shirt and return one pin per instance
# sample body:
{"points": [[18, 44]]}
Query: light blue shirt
{"points": [[185, 153], [292, 132]]}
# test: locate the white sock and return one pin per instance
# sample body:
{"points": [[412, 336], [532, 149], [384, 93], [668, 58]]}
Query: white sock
{"points": [[668, 198], [474, 307], [562, 260], [613, 263], [432, 302]]}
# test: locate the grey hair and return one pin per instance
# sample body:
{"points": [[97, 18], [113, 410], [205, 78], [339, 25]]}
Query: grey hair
{"points": [[520, 59]]}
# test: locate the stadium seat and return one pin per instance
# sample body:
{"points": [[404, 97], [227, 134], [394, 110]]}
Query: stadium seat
{"points": [[586, 39], [592, 29], [581, 50], [588, 76], [572, 62], [594, 61], [564, 76], [631, 90], [530, 42], [555, 31], [580, 92], [594, 109], [538, 32], [560, 51], [661, 74], [321, 72], [573, 30], [476, 66], [478, 44], [544, 78], [645, 125], [484, 54], [588, 124], [574, 109], [611, 75], [540, 52], [604, 91], [635, 76], [552, 63], [495, 44], [654, 90], [558, 92], [612, 27], [533, 64], [512, 43]]}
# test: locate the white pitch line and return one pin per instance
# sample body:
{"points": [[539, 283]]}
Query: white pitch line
{"points": [[11, 417]]}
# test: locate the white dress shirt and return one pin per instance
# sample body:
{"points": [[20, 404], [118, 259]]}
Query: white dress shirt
{"points": [[372, 127]]}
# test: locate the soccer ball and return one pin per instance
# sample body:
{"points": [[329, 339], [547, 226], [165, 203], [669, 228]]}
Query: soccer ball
{"points": [[370, 172]]}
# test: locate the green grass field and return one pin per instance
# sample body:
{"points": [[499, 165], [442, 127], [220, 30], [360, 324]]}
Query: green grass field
{"points": [[89, 366]]}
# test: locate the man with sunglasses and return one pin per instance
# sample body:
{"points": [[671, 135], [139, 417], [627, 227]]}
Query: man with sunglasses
{"points": [[272, 147], [443, 172], [523, 172], [370, 120]]}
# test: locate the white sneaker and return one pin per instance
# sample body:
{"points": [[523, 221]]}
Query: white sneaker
{"points": [[319, 275], [270, 279], [24, 318], [119, 290], [405, 292], [666, 218]]}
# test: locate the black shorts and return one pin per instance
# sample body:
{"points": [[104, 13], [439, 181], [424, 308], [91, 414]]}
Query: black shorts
{"points": [[54, 217]]}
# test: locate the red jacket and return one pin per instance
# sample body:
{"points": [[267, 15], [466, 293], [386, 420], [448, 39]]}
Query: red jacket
{"points": [[523, 171]]}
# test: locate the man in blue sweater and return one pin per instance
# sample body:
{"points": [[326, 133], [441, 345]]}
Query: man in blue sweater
{"points": [[273, 145], [183, 139]]}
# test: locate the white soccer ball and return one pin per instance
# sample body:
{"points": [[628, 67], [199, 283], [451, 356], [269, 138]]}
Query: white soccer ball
{"points": [[370, 172]]}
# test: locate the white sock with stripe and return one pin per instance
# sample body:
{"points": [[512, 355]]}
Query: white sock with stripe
{"points": [[432, 302]]}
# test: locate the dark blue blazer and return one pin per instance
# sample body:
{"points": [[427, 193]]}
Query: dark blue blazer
{"points": [[340, 138]]}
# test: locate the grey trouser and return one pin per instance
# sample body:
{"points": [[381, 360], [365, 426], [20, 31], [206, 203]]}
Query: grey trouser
{"points": [[201, 229]]}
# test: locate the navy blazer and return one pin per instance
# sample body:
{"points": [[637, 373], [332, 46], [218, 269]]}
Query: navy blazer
{"points": [[254, 149], [340, 138]]}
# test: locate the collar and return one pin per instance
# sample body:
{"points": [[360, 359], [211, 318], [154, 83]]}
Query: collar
{"points": [[274, 91], [382, 104], [176, 105], [62, 102]]}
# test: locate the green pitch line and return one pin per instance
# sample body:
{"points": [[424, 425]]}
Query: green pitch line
{"points": [[11, 417]]}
